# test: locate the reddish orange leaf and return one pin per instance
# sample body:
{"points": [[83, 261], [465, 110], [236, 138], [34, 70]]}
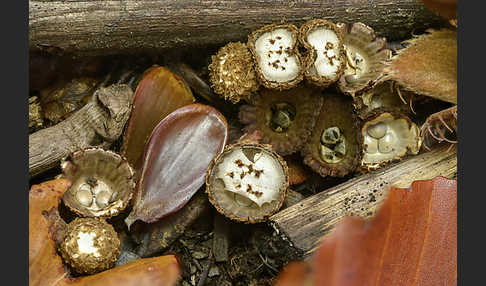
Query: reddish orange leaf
{"points": [[412, 240], [46, 266]]}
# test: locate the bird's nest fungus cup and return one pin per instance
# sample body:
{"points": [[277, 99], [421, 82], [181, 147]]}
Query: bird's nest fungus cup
{"points": [[232, 73], [365, 58], [284, 118], [247, 182], [102, 182], [91, 245], [387, 137], [325, 57], [334, 147], [278, 63]]}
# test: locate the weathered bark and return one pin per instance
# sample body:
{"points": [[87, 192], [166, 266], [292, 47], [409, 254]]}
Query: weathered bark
{"points": [[98, 123], [305, 223], [108, 27]]}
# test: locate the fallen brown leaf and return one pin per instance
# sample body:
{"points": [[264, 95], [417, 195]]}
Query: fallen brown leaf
{"points": [[428, 66], [412, 240], [46, 266]]}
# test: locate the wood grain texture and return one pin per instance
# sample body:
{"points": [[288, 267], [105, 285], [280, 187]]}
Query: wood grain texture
{"points": [[107, 27], [307, 222]]}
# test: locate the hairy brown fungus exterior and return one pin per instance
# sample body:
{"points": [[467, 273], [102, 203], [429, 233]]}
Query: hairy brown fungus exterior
{"points": [[387, 137], [325, 58], [278, 63], [284, 118], [103, 182], [247, 182], [334, 147], [365, 58], [91, 245], [232, 73]]}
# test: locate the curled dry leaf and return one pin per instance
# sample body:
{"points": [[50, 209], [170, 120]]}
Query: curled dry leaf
{"points": [[175, 161], [158, 93], [428, 66], [46, 266], [412, 240]]}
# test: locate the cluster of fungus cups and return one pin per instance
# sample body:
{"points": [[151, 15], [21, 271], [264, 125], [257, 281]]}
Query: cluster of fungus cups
{"points": [[325, 128], [350, 55], [271, 59], [247, 182], [102, 186]]}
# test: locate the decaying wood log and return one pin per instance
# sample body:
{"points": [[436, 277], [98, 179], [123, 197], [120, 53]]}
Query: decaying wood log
{"points": [[99, 123], [304, 224], [107, 27]]}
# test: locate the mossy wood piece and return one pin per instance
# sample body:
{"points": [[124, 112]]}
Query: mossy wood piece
{"points": [[305, 223], [100, 27]]}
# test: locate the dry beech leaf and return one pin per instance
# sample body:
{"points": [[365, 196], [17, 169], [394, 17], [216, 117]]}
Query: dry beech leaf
{"points": [[158, 93], [412, 240], [46, 266], [428, 65], [176, 158]]}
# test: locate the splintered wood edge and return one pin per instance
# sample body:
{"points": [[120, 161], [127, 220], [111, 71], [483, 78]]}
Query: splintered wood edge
{"points": [[304, 224]]}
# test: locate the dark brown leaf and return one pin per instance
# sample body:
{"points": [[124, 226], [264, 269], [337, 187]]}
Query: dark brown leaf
{"points": [[175, 161]]}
